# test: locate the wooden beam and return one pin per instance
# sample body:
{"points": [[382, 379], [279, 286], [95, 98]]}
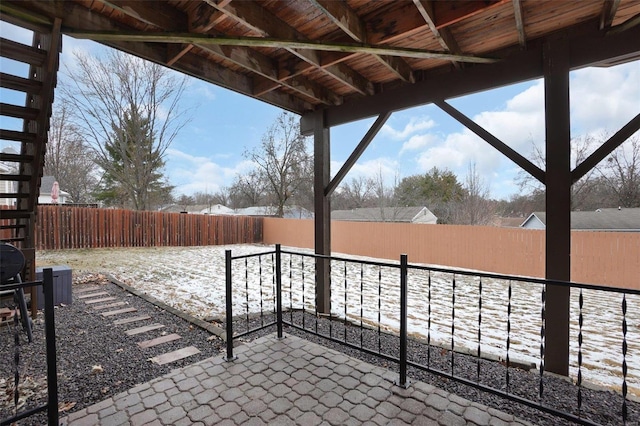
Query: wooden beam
{"points": [[244, 57], [517, 10], [22, 53], [164, 16], [606, 148], [449, 13], [558, 205], [587, 46], [202, 19], [343, 17], [251, 60], [205, 39], [13, 82], [626, 25], [505, 149], [256, 18], [355, 155], [322, 216], [350, 23], [443, 35], [609, 10], [78, 16]]}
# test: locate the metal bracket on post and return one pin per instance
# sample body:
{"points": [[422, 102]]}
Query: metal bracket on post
{"points": [[229, 307]]}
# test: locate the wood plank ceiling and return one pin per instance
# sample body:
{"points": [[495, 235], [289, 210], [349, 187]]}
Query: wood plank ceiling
{"points": [[304, 55]]}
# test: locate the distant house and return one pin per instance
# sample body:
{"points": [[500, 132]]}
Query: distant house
{"points": [[618, 219], [217, 209], [290, 212], [386, 214], [7, 186], [46, 185], [195, 209]]}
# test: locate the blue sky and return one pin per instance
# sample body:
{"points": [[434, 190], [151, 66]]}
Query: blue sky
{"points": [[207, 154]]}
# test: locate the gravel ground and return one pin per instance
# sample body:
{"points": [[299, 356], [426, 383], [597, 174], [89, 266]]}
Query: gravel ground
{"points": [[96, 360]]}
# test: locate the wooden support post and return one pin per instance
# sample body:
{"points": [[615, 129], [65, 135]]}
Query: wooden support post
{"points": [[558, 205], [321, 179]]}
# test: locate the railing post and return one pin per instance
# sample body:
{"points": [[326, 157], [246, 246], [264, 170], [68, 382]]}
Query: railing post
{"points": [[403, 321], [229, 305], [50, 336], [279, 290]]}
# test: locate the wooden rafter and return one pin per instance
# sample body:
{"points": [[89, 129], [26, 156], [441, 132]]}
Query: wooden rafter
{"points": [[204, 39], [211, 72], [201, 20], [262, 21], [609, 10], [444, 36], [242, 56], [351, 24], [517, 10]]}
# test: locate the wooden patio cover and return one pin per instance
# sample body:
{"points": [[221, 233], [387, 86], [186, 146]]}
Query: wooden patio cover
{"points": [[337, 61]]}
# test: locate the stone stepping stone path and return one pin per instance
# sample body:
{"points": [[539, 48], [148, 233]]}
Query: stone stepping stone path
{"points": [[144, 329], [104, 299], [86, 289], [159, 340], [118, 312], [92, 296], [131, 319], [110, 305], [175, 355], [89, 295]]}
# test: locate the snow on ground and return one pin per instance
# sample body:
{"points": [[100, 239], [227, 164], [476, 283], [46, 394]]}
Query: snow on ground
{"points": [[193, 279]]}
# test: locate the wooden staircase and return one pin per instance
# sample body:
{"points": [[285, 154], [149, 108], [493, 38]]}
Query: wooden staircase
{"points": [[24, 160]]}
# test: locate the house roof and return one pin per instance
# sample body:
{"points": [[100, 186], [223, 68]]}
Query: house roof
{"points": [[601, 219], [378, 214], [358, 57], [46, 184]]}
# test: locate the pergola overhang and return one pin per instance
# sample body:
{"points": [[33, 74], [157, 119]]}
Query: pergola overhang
{"points": [[335, 62]]}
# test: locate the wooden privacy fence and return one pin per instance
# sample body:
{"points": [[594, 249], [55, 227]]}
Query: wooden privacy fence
{"points": [[605, 258], [62, 227]]}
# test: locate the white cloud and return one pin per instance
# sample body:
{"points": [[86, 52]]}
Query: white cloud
{"points": [[604, 99], [415, 124], [192, 174], [417, 142]]}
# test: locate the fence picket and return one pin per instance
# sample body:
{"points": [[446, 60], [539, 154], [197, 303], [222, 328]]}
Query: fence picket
{"points": [[63, 227]]}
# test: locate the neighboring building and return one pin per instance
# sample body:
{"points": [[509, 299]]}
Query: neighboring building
{"points": [[620, 219], [387, 214], [290, 212], [217, 209], [175, 208], [46, 184], [8, 186]]}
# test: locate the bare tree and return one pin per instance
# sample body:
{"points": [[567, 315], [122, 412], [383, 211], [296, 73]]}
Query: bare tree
{"points": [[69, 159], [283, 162], [585, 193], [128, 109], [247, 190], [621, 173], [222, 197], [475, 207], [354, 194]]}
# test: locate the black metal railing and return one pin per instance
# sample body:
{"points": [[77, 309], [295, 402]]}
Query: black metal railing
{"points": [[51, 407], [450, 323]]}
